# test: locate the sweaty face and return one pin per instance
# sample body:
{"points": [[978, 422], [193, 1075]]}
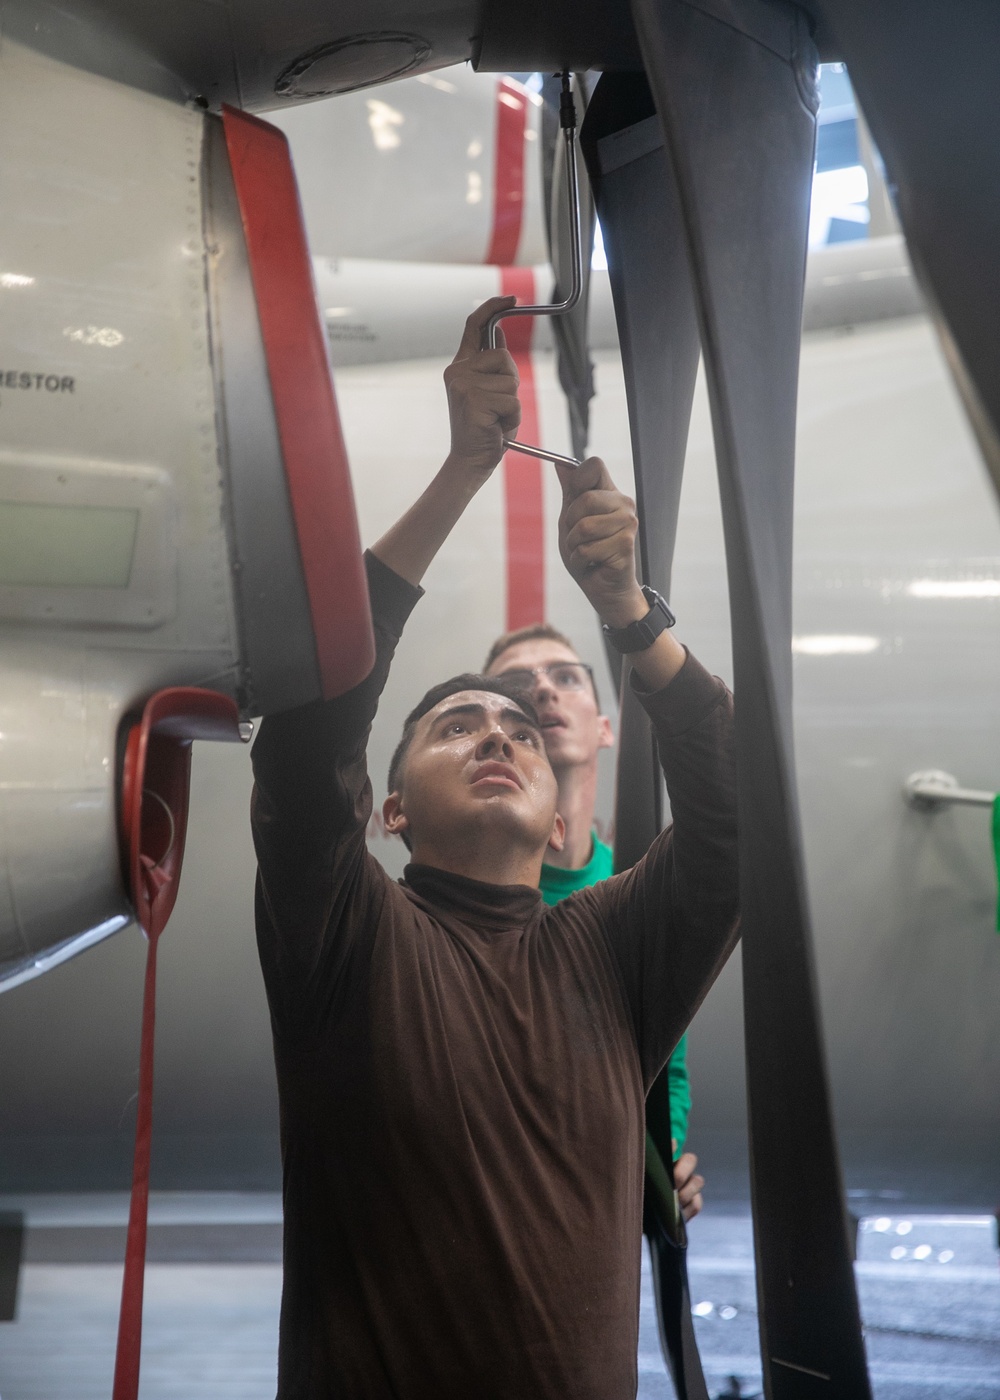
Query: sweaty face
{"points": [[572, 725], [477, 763]]}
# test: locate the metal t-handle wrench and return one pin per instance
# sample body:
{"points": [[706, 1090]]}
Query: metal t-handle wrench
{"points": [[567, 121]]}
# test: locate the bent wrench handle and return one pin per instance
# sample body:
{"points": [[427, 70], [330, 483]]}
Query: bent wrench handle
{"points": [[543, 455], [554, 308], [567, 118]]}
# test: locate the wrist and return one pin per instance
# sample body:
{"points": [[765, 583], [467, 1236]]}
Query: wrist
{"points": [[621, 611], [465, 473], [642, 633]]}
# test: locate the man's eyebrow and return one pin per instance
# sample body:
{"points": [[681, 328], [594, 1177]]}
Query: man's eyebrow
{"points": [[469, 708], [472, 708], [519, 717]]}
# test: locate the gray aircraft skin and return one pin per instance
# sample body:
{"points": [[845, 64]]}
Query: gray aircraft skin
{"points": [[897, 593]]}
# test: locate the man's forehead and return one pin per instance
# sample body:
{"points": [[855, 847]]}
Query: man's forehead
{"points": [[538, 651]]}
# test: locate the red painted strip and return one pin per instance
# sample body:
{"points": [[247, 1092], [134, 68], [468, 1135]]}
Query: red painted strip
{"points": [[522, 476], [126, 1379], [508, 174], [157, 765], [305, 408]]}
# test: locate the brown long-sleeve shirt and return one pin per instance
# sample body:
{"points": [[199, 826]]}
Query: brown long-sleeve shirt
{"points": [[462, 1070]]}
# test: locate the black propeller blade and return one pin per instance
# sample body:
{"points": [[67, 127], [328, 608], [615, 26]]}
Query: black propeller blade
{"points": [[575, 367], [640, 214], [640, 217], [644, 240], [734, 82]]}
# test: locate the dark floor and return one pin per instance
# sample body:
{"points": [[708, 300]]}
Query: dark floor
{"points": [[929, 1283]]}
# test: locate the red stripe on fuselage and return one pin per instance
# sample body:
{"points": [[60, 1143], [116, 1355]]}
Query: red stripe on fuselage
{"points": [[522, 476], [312, 444], [508, 174]]}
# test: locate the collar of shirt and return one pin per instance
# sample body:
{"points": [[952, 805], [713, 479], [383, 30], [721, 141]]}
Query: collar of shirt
{"points": [[491, 908]]}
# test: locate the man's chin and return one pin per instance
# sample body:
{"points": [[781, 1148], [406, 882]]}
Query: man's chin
{"points": [[498, 808]]}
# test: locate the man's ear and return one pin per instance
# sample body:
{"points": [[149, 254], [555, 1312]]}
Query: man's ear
{"points": [[558, 837], [393, 817], [605, 734]]}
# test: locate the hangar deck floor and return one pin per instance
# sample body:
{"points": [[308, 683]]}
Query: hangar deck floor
{"points": [[932, 1313]]}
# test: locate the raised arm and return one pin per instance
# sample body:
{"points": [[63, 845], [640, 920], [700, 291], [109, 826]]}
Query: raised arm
{"points": [[671, 921], [312, 796], [484, 409], [310, 807]]}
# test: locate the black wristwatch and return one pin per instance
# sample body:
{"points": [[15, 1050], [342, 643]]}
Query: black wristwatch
{"points": [[637, 636]]}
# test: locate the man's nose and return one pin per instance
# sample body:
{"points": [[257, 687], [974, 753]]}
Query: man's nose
{"points": [[543, 690], [495, 744]]}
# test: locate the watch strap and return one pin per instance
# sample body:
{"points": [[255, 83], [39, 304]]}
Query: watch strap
{"points": [[637, 636]]}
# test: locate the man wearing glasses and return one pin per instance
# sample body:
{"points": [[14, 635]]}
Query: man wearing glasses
{"points": [[545, 664]]}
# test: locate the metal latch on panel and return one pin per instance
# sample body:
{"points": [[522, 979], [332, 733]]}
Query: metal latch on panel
{"points": [[933, 789]]}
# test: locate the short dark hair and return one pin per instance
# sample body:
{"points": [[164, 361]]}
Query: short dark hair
{"points": [[493, 685], [535, 631]]}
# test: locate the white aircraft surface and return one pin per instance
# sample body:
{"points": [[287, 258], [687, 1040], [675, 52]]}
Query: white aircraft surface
{"points": [[897, 598]]}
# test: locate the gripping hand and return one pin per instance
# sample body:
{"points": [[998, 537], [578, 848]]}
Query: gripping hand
{"points": [[482, 396]]}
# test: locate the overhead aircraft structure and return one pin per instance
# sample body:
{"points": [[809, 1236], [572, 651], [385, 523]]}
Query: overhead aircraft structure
{"points": [[165, 400]]}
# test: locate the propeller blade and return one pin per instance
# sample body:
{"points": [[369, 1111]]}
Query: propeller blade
{"points": [[926, 75], [734, 82], [573, 362], [634, 189]]}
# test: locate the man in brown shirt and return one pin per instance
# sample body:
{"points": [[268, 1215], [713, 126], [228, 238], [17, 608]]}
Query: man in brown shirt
{"points": [[462, 1070]]}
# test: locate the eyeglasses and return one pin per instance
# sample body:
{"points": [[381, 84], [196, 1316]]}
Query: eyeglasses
{"points": [[562, 675]]}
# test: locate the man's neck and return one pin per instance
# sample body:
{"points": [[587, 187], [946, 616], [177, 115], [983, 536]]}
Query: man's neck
{"points": [[577, 799], [492, 862]]}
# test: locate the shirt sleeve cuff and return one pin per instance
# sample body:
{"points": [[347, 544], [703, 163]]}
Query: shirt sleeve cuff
{"points": [[392, 598], [691, 695]]}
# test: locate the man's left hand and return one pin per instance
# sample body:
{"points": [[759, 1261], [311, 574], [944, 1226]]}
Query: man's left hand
{"points": [[597, 530]]}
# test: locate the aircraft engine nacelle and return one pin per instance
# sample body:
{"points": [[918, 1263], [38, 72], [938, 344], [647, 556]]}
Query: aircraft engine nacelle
{"points": [[174, 504]]}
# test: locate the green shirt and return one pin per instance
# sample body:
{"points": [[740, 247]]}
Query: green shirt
{"points": [[555, 884]]}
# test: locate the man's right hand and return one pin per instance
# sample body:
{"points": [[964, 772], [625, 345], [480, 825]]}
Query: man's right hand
{"points": [[482, 402], [688, 1184], [482, 396]]}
